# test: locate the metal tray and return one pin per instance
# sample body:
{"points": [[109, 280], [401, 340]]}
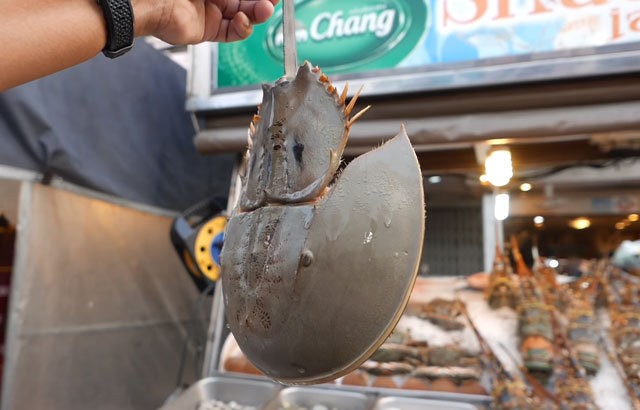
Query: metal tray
{"points": [[307, 398], [243, 391], [406, 403], [420, 394]]}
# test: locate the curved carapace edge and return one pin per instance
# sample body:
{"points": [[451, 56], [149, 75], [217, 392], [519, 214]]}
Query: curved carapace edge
{"points": [[314, 282]]}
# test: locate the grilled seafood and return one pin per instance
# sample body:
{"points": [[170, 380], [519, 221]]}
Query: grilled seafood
{"points": [[317, 267]]}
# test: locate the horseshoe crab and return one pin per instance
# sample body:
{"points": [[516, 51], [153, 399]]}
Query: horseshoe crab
{"points": [[318, 265]]}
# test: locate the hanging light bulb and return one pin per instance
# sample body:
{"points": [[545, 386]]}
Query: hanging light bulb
{"points": [[498, 166]]}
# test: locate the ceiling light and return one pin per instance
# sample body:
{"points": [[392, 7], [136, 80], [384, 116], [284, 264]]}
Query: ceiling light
{"points": [[553, 263], [436, 179], [633, 217], [498, 166], [580, 223], [526, 187], [538, 220], [619, 226]]}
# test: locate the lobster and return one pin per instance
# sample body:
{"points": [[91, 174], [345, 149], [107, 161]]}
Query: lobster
{"points": [[534, 323]]}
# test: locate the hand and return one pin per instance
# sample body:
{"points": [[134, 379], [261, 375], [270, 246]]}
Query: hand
{"points": [[195, 21]]}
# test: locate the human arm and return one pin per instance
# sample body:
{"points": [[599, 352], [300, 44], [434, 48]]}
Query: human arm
{"points": [[40, 37]]}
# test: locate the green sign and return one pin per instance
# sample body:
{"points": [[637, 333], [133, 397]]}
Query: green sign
{"points": [[340, 36]]}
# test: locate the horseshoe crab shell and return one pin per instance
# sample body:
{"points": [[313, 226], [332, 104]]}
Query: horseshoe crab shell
{"points": [[318, 268]]}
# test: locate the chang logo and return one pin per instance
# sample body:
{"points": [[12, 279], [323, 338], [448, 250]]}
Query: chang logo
{"points": [[327, 26], [341, 35]]}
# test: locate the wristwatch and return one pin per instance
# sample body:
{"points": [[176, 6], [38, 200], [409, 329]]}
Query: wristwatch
{"points": [[119, 17]]}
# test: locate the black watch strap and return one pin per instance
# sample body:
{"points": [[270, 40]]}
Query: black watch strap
{"points": [[119, 17]]}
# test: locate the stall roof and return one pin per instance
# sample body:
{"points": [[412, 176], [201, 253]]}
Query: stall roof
{"points": [[530, 115], [116, 126], [549, 126]]}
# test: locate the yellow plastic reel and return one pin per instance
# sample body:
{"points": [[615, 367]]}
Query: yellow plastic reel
{"points": [[203, 247]]}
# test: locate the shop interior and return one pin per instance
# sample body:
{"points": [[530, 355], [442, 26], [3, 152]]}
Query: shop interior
{"points": [[572, 180]]}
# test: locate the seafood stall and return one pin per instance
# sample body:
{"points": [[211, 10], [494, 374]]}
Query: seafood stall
{"points": [[555, 83], [448, 354]]}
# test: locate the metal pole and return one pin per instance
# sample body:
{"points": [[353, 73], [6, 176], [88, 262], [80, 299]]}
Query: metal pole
{"points": [[216, 322], [488, 231], [289, 40], [214, 335], [500, 234]]}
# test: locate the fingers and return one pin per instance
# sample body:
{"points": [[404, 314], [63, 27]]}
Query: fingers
{"points": [[239, 28], [222, 29], [262, 10], [214, 22], [258, 11], [194, 21], [232, 20]]}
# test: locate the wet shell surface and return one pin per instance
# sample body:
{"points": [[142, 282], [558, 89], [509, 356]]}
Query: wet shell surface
{"points": [[317, 267]]}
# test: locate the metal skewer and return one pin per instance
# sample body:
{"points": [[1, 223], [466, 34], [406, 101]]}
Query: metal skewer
{"points": [[289, 41]]}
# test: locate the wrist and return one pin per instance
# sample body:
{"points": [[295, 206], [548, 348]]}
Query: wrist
{"points": [[148, 14]]}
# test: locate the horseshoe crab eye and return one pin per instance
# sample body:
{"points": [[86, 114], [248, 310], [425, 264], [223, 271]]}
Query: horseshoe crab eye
{"points": [[298, 148]]}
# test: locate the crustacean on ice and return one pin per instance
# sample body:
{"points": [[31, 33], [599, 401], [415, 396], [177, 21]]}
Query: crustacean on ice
{"points": [[414, 365], [621, 292], [569, 380], [534, 319], [501, 290], [443, 313], [579, 320], [318, 265], [509, 391]]}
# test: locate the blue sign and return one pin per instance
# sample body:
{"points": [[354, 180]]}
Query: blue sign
{"points": [[465, 30]]}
